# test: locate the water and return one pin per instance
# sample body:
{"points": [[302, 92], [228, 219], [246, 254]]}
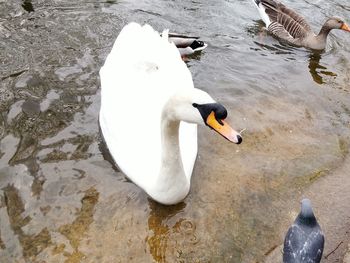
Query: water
{"points": [[61, 198]]}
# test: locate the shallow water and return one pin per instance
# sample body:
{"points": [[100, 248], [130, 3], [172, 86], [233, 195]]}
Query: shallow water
{"points": [[62, 200]]}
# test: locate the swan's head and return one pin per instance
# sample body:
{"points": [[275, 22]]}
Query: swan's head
{"points": [[213, 115], [196, 106], [337, 23]]}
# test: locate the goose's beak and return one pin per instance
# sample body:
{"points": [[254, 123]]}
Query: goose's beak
{"points": [[345, 27], [224, 129]]}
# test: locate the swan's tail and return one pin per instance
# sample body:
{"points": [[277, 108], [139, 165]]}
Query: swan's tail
{"points": [[137, 43]]}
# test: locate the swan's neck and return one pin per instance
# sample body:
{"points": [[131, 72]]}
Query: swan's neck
{"points": [[171, 185], [171, 158]]}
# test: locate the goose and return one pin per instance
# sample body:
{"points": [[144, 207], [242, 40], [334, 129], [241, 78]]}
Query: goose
{"points": [[304, 241], [187, 45], [289, 26], [150, 110]]}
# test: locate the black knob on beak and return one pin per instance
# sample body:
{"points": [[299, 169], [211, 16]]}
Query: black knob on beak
{"points": [[239, 138]]}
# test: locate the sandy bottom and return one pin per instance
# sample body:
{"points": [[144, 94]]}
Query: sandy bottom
{"points": [[330, 196]]}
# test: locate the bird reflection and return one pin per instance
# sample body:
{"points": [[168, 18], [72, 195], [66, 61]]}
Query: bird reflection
{"points": [[170, 233], [27, 5], [158, 224], [317, 71]]}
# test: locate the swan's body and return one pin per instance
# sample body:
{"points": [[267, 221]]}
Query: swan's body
{"points": [[291, 27], [147, 95]]}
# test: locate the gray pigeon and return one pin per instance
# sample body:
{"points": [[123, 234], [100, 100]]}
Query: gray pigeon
{"points": [[304, 241]]}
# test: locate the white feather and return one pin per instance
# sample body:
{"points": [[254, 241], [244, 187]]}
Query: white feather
{"points": [[263, 14], [139, 76]]}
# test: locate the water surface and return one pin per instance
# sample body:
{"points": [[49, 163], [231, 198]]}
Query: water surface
{"points": [[62, 200]]}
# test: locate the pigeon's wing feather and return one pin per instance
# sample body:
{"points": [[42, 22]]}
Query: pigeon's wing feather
{"points": [[292, 243], [315, 250]]}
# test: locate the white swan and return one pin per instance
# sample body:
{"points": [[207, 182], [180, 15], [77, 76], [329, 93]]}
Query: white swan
{"points": [[149, 111]]}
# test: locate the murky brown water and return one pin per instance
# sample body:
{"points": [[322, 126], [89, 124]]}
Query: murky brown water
{"points": [[61, 200]]}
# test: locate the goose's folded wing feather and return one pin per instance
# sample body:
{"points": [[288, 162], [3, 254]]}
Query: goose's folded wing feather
{"points": [[279, 31], [294, 24]]}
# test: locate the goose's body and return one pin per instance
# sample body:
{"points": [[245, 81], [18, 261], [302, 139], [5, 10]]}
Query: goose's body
{"points": [[289, 26], [147, 95], [304, 241]]}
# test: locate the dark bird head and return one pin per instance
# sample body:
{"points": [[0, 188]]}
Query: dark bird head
{"points": [[196, 44], [306, 208], [306, 215]]}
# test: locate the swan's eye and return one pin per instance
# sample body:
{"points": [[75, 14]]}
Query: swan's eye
{"points": [[219, 111]]}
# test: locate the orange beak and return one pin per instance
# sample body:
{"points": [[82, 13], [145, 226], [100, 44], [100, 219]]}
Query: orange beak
{"points": [[224, 129], [345, 27]]}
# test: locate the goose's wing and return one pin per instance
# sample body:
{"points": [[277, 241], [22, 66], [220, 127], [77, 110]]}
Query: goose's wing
{"points": [[293, 23], [279, 31]]}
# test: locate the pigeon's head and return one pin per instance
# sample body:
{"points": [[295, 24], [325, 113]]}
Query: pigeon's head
{"points": [[306, 209]]}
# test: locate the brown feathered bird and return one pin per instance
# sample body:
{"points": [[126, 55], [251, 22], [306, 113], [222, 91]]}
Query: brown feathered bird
{"points": [[289, 26]]}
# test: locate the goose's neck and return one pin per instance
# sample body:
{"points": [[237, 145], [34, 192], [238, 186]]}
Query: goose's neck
{"points": [[172, 185], [323, 34]]}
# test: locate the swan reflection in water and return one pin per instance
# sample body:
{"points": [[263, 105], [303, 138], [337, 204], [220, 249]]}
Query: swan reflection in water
{"points": [[169, 232]]}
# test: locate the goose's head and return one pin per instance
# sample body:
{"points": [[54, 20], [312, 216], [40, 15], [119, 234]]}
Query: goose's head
{"points": [[337, 23], [196, 106]]}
